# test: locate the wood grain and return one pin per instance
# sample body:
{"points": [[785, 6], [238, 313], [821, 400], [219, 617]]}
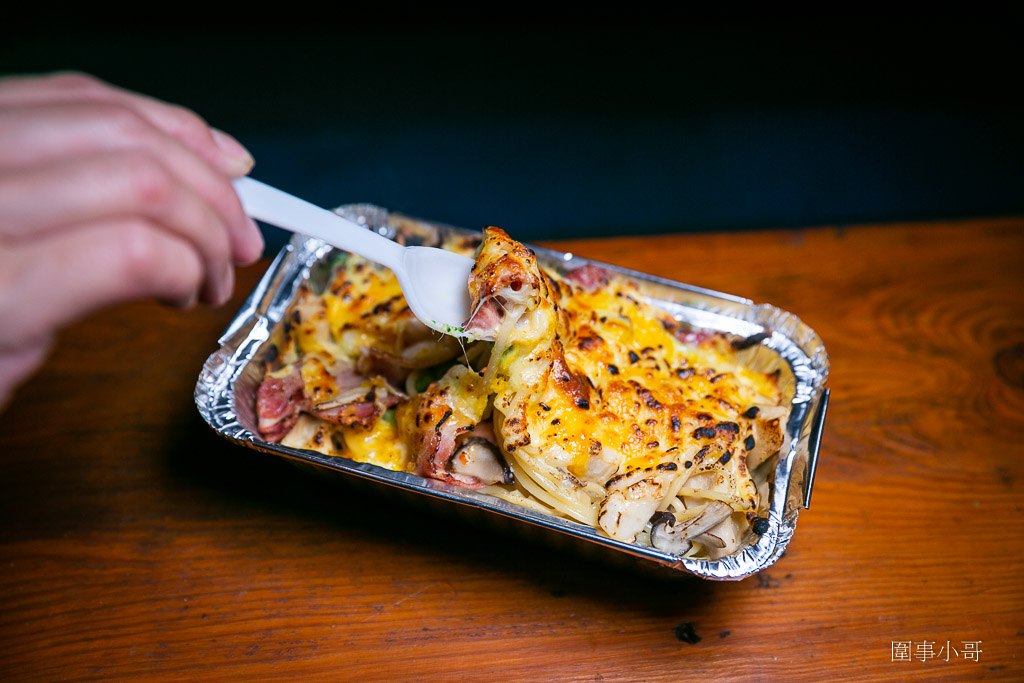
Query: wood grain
{"points": [[138, 543]]}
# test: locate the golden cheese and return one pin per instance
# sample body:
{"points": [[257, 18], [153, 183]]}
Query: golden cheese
{"points": [[589, 403], [378, 446]]}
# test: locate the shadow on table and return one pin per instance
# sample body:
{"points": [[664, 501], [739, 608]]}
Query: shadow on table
{"points": [[240, 482]]}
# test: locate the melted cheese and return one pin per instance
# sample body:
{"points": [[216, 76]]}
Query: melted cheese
{"points": [[602, 409], [364, 307], [378, 446]]}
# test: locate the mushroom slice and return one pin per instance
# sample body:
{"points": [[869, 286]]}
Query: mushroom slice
{"points": [[710, 540], [676, 537], [479, 459], [632, 498]]}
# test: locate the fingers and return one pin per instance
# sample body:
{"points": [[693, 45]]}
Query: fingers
{"points": [[217, 148], [16, 365], [68, 274], [108, 196], [34, 136], [109, 186]]}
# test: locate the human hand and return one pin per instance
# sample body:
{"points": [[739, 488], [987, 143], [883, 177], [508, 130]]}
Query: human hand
{"points": [[108, 196]]}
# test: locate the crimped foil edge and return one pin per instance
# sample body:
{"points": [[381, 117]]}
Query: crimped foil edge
{"points": [[218, 401]]}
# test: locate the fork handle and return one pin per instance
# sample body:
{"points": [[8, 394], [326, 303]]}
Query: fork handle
{"points": [[276, 207]]}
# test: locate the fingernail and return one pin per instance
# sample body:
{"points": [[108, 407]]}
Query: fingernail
{"points": [[227, 285], [188, 301], [254, 243], [239, 156]]}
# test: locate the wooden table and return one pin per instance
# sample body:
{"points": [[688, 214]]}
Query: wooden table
{"points": [[136, 541]]}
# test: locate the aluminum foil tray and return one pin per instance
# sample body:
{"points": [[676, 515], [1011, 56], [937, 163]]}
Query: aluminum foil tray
{"points": [[226, 396]]}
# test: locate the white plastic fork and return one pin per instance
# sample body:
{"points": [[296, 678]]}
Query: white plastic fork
{"points": [[435, 282]]}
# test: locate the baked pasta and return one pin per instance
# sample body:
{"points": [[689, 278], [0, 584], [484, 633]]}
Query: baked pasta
{"points": [[585, 402]]}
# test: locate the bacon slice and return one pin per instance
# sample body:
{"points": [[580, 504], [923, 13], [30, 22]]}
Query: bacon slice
{"points": [[279, 402], [589, 277], [485, 318], [334, 392], [445, 433], [358, 409]]}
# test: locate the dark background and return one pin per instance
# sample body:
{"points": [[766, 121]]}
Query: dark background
{"points": [[556, 126]]}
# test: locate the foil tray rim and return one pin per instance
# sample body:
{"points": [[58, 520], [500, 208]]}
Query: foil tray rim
{"points": [[266, 304]]}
